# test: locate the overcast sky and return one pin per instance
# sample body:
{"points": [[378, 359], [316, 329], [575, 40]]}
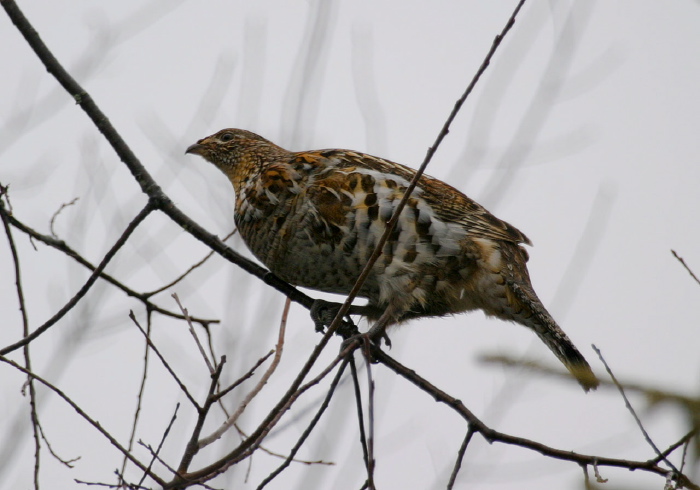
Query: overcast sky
{"points": [[583, 133]]}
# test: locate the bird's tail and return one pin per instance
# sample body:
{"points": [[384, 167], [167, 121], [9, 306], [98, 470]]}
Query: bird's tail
{"points": [[554, 337]]}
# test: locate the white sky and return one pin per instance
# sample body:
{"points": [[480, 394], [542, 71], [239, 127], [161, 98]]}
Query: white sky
{"points": [[590, 111]]}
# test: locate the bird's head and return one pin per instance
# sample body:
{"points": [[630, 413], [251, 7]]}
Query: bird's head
{"points": [[223, 147], [236, 152]]}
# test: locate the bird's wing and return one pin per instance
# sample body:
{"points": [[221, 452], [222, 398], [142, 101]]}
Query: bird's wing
{"points": [[453, 206], [448, 204]]}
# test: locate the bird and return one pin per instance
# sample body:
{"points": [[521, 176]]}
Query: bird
{"points": [[314, 217]]}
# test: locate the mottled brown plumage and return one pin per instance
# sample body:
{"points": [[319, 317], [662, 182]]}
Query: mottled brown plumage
{"points": [[314, 217]]}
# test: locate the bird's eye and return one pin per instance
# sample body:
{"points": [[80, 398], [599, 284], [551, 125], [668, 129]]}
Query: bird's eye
{"points": [[226, 137]]}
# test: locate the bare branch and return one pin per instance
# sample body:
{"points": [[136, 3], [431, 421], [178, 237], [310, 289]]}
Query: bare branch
{"points": [[25, 332], [160, 444], [66, 462], [155, 455], [460, 457], [683, 441], [84, 415], [282, 456], [192, 446], [254, 392], [88, 284], [219, 395], [309, 428], [164, 362], [492, 435], [371, 462], [142, 388], [186, 314], [63, 247], [58, 211], [187, 272], [680, 259], [247, 447], [360, 414], [632, 411]]}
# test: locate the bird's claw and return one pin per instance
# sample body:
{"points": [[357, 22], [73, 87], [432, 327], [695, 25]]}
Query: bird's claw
{"points": [[321, 314], [368, 340], [324, 312]]}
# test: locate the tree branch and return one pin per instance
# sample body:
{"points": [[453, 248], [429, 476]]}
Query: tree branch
{"points": [[84, 415], [88, 284], [492, 435]]}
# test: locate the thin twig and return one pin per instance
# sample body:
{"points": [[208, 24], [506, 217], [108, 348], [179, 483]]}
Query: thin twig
{"points": [[84, 415], [360, 412], [138, 219], [212, 354], [27, 358], [632, 411], [284, 456], [164, 362], [58, 211], [186, 314], [65, 462], [192, 446], [371, 462], [160, 444], [263, 381], [157, 457], [256, 437], [106, 485], [586, 477], [220, 394], [309, 428], [61, 246], [142, 389], [680, 259], [187, 272], [598, 477], [460, 456], [683, 455], [247, 447], [683, 441]]}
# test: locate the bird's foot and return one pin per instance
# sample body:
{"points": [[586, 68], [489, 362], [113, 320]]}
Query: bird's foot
{"points": [[378, 333], [323, 313], [367, 341]]}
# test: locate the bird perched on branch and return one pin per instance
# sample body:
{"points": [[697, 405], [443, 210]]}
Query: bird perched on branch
{"points": [[314, 217]]}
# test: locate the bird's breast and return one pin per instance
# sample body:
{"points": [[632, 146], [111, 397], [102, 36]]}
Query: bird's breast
{"points": [[322, 236]]}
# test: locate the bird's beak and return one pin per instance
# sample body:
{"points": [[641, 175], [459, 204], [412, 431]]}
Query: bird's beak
{"points": [[195, 149]]}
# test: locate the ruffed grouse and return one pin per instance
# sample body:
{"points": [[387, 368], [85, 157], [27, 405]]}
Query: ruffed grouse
{"points": [[313, 218]]}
